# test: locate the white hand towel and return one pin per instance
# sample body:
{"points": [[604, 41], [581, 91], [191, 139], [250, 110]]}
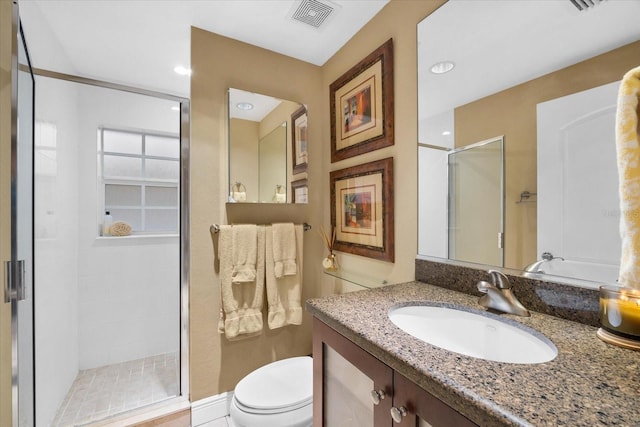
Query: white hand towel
{"points": [[241, 303], [284, 293], [244, 253], [284, 249]]}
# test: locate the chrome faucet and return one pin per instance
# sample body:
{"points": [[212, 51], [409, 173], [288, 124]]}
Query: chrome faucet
{"points": [[498, 295], [535, 266]]}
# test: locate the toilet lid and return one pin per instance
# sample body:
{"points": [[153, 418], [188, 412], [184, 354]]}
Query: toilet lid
{"points": [[284, 384]]}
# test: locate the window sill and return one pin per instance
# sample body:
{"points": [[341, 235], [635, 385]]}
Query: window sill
{"points": [[137, 236]]}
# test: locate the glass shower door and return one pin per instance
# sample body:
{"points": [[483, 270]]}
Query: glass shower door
{"points": [[476, 196]]}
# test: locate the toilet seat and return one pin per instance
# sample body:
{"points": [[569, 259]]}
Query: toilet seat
{"points": [[280, 393]]}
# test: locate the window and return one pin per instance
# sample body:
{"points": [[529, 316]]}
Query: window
{"points": [[140, 174]]}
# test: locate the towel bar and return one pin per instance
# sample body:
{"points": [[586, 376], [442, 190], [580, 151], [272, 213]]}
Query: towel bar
{"points": [[215, 227]]}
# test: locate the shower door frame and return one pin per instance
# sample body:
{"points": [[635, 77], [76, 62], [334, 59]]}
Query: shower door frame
{"points": [[18, 280], [185, 121]]}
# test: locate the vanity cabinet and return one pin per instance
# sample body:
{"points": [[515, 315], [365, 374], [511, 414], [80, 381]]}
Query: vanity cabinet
{"points": [[353, 388]]}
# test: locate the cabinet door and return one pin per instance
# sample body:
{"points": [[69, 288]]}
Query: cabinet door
{"points": [[418, 408], [351, 387]]}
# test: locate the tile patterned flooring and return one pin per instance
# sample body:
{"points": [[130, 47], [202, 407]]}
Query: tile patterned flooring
{"points": [[109, 390]]}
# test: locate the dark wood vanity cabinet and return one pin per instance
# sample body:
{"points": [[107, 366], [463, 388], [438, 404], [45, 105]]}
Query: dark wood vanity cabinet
{"points": [[353, 388]]}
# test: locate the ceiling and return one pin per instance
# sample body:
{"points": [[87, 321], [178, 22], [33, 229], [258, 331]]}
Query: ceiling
{"points": [[140, 42], [505, 43], [260, 105]]}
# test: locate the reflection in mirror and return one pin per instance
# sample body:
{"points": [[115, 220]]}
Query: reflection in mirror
{"points": [[272, 166], [259, 140], [508, 72], [476, 194]]}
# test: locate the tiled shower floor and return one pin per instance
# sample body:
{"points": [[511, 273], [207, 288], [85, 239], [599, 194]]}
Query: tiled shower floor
{"points": [[109, 390]]}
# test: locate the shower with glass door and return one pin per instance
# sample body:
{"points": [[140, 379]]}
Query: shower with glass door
{"points": [[108, 300]]}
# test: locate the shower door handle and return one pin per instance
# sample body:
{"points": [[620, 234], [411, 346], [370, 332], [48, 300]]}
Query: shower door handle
{"points": [[14, 281]]}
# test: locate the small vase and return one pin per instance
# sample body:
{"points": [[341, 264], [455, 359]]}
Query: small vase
{"points": [[330, 262]]}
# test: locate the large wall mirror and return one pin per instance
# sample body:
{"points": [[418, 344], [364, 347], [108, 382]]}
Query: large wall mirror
{"points": [[544, 76], [259, 147]]}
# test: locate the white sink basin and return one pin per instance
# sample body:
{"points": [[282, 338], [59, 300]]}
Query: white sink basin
{"points": [[474, 333]]}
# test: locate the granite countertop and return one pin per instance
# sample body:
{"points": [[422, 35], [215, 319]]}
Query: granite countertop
{"points": [[589, 383]]}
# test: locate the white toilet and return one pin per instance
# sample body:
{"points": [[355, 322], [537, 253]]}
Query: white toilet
{"points": [[278, 394]]}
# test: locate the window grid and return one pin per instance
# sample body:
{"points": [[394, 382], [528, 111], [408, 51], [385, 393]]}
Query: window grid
{"points": [[143, 182]]}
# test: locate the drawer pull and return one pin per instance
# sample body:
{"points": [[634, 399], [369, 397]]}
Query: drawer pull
{"points": [[377, 396], [398, 413]]}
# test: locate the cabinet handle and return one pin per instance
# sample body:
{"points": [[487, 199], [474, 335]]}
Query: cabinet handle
{"points": [[377, 396], [398, 413]]}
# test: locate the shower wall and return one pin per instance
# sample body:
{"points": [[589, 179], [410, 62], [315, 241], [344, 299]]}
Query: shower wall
{"points": [[129, 287], [99, 301]]}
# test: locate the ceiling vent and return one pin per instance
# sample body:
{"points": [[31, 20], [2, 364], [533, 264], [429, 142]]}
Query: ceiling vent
{"points": [[585, 4], [314, 12]]}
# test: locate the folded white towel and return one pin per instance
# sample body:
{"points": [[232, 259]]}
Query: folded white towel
{"points": [[284, 249], [241, 303], [284, 293], [244, 253]]}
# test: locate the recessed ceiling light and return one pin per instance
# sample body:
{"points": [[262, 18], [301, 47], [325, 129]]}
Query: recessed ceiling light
{"points": [[442, 67], [446, 133], [244, 105], [183, 71]]}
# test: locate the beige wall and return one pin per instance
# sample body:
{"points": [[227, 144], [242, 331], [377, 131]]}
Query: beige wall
{"points": [[273, 164], [5, 205], [512, 113], [282, 114], [244, 155], [397, 20], [219, 63]]}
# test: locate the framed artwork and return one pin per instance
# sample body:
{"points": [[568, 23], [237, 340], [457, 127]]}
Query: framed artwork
{"points": [[299, 191], [299, 139], [361, 103], [362, 209]]}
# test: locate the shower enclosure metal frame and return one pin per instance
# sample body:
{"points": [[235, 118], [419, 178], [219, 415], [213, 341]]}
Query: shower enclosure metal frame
{"points": [[18, 278], [184, 206]]}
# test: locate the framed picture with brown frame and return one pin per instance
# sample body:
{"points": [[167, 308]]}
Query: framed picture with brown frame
{"points": [[299, 139], [361, 106], [299, 191], [362, 209]]}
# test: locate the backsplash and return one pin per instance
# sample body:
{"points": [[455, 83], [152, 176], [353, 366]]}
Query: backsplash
{"points": [[556, 299]]}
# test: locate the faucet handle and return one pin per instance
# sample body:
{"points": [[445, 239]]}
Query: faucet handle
{"points": [[499, 279], [548, 256]]}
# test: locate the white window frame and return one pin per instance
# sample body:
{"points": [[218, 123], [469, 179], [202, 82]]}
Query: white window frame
{"points": [[143, 181]]}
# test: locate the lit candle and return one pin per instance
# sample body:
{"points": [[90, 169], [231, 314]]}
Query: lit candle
{"points": [[620, 311]]}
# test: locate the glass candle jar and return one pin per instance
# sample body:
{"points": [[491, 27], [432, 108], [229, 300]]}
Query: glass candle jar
{"points": [[620, 311], [330, 262]]}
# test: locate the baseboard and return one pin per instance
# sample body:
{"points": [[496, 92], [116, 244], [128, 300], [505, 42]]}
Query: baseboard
{"points": [[211, 408], [151, 415]]}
